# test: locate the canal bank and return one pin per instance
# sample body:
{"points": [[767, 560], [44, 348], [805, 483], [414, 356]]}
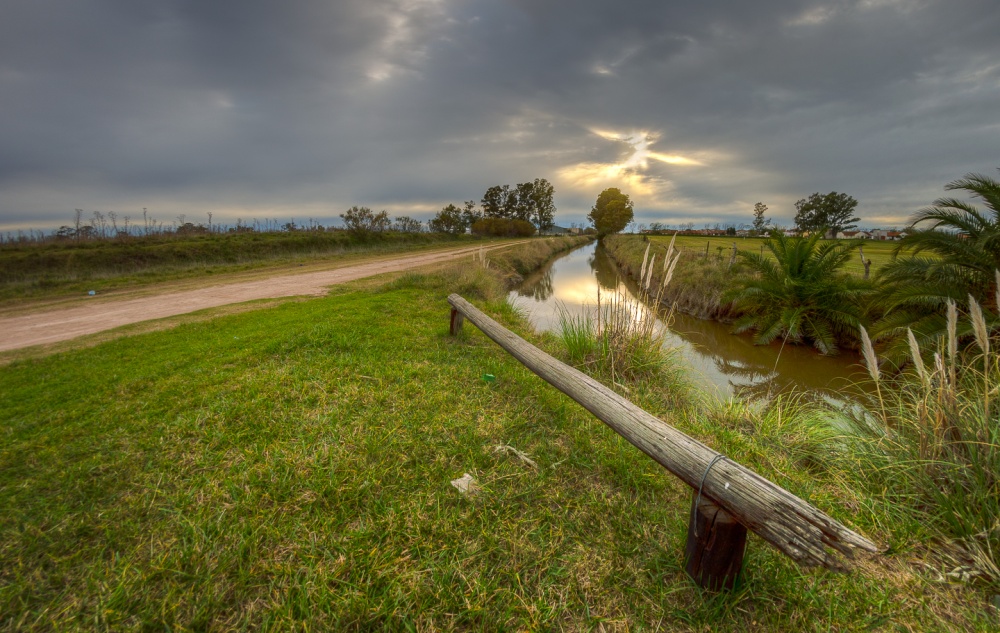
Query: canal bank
{"points": [[720, 362]]}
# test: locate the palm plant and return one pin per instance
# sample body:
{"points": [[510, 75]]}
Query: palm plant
{"points": [[799, 295], [953, 253]]}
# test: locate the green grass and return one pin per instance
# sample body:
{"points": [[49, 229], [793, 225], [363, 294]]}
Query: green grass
{"points": [[289, 468], [699, 281], [878, 251], [697, 284]]}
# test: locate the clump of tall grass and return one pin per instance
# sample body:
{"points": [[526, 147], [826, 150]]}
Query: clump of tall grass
{"points": [[697, 283], [622, 337], [934, 443]]}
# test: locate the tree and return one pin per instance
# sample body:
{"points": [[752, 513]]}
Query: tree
{"points": [[543, 207], [833, 211], [799, 293], [611, 213], [527, 201], [469, 213], [406, 224], [502, 227], [511, 207], [963, 242], [448, 220], [759, 221], [521, 201], [493, 201], [362, 220]]}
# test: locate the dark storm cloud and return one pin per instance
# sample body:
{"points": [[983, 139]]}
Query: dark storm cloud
{"points": [[303, 108]]}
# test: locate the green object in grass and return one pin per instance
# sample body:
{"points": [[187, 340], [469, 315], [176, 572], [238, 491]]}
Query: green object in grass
{"points": [[489, 378]]}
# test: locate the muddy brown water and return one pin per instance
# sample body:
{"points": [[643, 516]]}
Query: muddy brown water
{"points": [[729, 365]]}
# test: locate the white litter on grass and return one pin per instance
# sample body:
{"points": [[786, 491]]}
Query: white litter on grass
{"points": [[506, 448], [466, 484]]}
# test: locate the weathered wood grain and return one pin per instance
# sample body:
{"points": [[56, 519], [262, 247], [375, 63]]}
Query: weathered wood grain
{"points": [[793, 526]]}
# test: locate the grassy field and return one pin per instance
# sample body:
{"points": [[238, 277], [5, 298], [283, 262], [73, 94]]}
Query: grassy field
{"points": [[36, 270], [879, 252], [289, 468], [699, 281]]}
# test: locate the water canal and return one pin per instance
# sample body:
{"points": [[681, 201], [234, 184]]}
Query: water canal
{"points": [[719, 361]]}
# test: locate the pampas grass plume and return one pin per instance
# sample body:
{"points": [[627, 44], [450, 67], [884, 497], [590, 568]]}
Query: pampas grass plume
{"points": [[642, 273], [952, 330], [918, 362], [979, 325], [869, 353]]}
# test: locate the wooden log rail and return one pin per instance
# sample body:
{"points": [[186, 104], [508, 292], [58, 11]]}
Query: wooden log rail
{"points": [[793, 526]]}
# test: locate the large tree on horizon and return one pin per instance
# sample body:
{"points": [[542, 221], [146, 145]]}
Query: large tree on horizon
{"points": [[819, 212], [528, 201], [612, 212], [543, 208], [759, 221]]}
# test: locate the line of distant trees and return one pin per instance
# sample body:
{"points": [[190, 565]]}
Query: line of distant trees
{"points": [[519, 210]]}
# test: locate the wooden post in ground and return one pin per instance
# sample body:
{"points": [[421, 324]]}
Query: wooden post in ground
{"points": [[713, 556], [866, 262], [456, 322]]}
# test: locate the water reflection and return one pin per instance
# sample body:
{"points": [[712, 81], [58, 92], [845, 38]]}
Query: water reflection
{"points": [[730, 365], [605, 271], [538, 286]]}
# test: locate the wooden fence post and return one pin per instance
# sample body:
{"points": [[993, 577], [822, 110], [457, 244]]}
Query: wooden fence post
{"points": [[713, 555], [456, 322]]}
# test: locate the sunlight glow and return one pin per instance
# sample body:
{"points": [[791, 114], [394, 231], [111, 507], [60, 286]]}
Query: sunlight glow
{"points": [[629, 171]]}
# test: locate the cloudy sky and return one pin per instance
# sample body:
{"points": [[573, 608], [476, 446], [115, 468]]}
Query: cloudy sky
{"points": [[302, 108]]}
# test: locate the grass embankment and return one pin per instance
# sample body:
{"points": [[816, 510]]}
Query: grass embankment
{"points": [[697, 284], [290, 468], [699, 280], [880, 252], [42, 269]]}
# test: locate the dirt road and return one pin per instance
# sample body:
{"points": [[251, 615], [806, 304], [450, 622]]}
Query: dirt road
{"points": [[54, 325]]}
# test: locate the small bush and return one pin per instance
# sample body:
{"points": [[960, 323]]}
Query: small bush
{"points": [[499, 227]]}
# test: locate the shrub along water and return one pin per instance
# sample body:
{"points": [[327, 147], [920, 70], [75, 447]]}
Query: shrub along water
{"points": [[799, 294]]}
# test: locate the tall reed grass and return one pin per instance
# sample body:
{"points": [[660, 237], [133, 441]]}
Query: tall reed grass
{"points": [[697, 283], [622, 337], [933, 444]]}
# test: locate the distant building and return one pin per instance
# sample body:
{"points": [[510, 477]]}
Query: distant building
{"points": [[886, 235], [854, 235]]}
